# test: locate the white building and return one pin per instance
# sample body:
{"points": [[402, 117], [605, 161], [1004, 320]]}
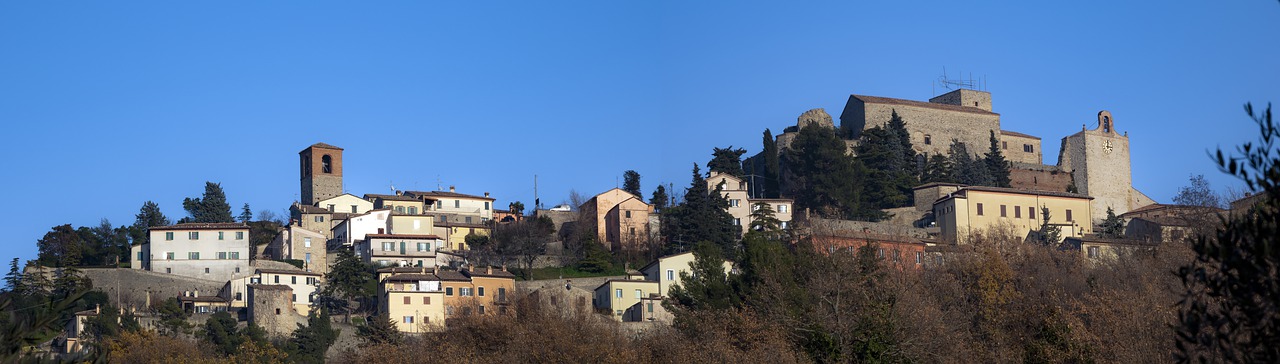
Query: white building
{"points": [[356, 227], [212, 251], [401, 250], [452, 202], [304, 286]]}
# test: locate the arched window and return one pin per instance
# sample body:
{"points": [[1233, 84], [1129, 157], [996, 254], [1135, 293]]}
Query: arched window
{"points": [[326, 163], [1106, 124]]}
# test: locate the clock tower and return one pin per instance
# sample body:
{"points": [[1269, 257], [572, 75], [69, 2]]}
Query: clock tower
{"points": [[1098, 160]]}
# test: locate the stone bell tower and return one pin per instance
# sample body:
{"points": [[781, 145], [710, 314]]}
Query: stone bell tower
{"points": [[1098, 161], [321, 171]]}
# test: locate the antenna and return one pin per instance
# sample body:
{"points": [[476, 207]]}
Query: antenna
{"points": [[393, 187], [947, 83]]}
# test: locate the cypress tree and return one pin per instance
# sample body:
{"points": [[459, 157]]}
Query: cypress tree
{"points": [[701, 217], [772, 167], [660, 199], [996, 164], [631, 183], [827, 180]]}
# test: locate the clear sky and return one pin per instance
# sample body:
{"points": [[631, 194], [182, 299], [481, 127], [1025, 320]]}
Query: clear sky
{"points": [[105, 105]]}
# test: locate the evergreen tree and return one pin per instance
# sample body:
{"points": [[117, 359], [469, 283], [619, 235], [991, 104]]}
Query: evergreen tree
{"points": [[380, 330], [310, 342], [60, 247], [148, 216], [516, 208], [772, 166], [1049, 234], [937, 168], [764, 222], [996, 165], [825, 179], [220, 330], [13, 280], [965, 169], [246, 214], [727, 161], [888, 155], [1112, 226], [212, 208], [631, 183], [706, 285], [660, 199], [349, 279], [701, 217]]}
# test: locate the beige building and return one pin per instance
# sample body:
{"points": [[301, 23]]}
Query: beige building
{"points": [[295, 242], [1099, 249], [313, 218], [346, 203], [454, 230], [1018, 147], [401, 250], [452, 202], [741, 205], [620, 218], [974, 209], [964, 115], [212, 251], [666, 270], [399, 204]]}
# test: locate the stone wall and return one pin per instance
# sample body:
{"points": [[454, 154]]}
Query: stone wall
{"points": [[1038, 177], [931, 129], [136, 288], [1098, 160], [271, 308]]}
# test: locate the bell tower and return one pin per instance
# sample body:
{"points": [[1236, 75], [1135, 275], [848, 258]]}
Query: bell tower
{"points": [[321, 172]]}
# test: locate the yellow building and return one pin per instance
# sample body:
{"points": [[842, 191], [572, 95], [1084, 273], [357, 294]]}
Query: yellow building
{"points": [[666, 270], [414, 301], [619, 295], [398, 203], [975, 209], [455, 231]]}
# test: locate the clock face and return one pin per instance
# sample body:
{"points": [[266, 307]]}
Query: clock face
{"points": [[1106, 147]]}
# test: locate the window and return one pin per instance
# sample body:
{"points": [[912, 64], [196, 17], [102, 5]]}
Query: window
{"points": [[400, 209], [1093, 252], [194, 235], [633, 232], [735, 202], [319, 218], [650, 306], [139, 257], [311, 280], [413, 210], [1017, 212], [784, 225], [295, 297], [481, 309], [1031, 212], [221, 235], [457, 204], [1069, 216], [293, 280], [628, 212], [222, 255], [237, 269], [639, 294], [306, 242], [979, 209], [1004, 145], [502, 294], [406, 300], [331, 208], [426, 300], [737, 221], [486, 205], [168, 270], [879, 252], [277, 279], [1002, 212], [439, 204], [206, 271], [782, 208], [448, 291], [235, 255], [464, 291], [617, 293], [353, 209], [422, 247], [388, 246], [480, 291], [928, 139], [168, 235], [1027, 148], [408, 319], [277, 311], [671, 274], [919, 257], [239, 235], [468, 219], [239, 297], [193, 255], [202, 309]]}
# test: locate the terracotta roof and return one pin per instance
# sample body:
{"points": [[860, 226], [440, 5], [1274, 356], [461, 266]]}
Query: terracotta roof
{"points": [[935, 184], [413, 277], [771, 199], [401, 270], [497, 273], [203, 226], [203, 299], [452, 275], [1164, 221], [656, 261], [308, 209], [1098, 239], [931, 105], [399, 236], [623, 280], [323, 145], [1020, 191], [288, 271], [389, 197], [272, 287], [430, 194], [1017, 134]]}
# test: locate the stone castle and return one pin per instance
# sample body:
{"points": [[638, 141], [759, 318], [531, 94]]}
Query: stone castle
{"points": [[1095, 162]]}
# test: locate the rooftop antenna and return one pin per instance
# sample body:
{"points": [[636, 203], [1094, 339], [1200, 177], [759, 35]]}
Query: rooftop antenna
{"points": [[947, 83], [438, 187], [537, 203], [393, 187]]}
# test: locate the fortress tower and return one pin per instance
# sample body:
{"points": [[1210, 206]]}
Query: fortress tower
{"points": [[1098, 161], [321, 172]]}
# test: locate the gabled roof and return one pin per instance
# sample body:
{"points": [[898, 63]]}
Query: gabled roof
{"points": [[495, 274], [618, 280], [204, 226], [308, 209], [389, 197], [1017, 134], [438, 194], [345, 194], [930, 105], [287, 271], [963, 191], [452, 275], [324, 145], [412, 277]]}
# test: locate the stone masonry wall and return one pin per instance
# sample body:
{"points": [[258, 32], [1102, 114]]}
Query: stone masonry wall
{"points": [[941, 126], [134, 286], [271, 308], [1038, 177]]}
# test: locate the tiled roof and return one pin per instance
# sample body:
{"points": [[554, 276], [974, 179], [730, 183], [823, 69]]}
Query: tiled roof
{"points": [[623, 280], [1098, 239], [203, 299], [437, 194], [323, 145], [203, 226], [272, 287], [413, 277], [1022, 191], [287, 271], [931, 105], [935, 184], [451, 275], [1017, 134], [389, 197], [401, 270], [399, 236], [498, 273], [308, 209]]}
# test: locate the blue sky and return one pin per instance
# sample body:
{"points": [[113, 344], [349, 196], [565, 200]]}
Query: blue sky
{"points": [[106, 105]]}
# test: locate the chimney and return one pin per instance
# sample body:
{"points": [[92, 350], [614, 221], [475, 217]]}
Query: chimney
{"points": [[504, 267], [452, 189], [488, 270], [97, 309], [436, 270], [486, 194]]}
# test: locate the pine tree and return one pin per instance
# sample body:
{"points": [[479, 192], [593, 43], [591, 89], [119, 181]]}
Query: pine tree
{"points": [[937, 168], [246, 214], [965, 169], [380, 330], [825, 179], [310, 342], [701, 217], [887, 153], [659, 200], [772, 166], [148, 216], [1112, 226], [1049, 234], [727, 161], [13, 280], [706, 285], [212, 208], [631, 183], [764, 222], [996, 165]]}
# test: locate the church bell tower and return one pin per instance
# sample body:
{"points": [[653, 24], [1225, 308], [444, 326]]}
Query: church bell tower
{"points": [[321, 171]]}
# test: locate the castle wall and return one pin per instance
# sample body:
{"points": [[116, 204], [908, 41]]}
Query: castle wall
{"points": [[1020, 148], [133, 286], [931, 129], [271, 308], [1038, 177]]}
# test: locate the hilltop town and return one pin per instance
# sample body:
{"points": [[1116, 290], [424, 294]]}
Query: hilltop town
{"points": [[902, 187]]}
